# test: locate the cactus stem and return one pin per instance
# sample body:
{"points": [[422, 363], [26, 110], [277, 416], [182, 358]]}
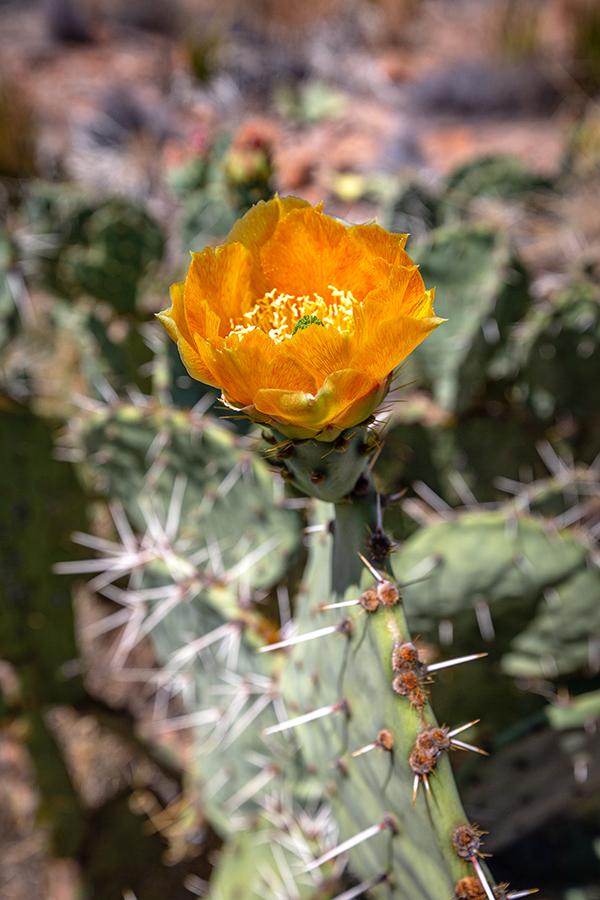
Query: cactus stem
{"points": [[489, 893], [342, 706], [360, 889], [367, 834], [344, 627], [445, 664]]}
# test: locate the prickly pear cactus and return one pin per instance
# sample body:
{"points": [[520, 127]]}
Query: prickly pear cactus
{"points": [[111, 349], [484, 557], [459, 459], [510, 573], [557, 354], [218, 491], [120, 244], [483, 290], [214, 539], [317, 755], [55, 216], [341, 721], [562, 637], [225, 183], [498, 177], [81, 247], [364, 748]]}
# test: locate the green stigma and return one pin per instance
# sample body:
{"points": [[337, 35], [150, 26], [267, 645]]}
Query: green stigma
{"points": [[304, 322]]}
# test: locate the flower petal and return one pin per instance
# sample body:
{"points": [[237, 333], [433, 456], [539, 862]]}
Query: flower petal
{"points": [[173, 319], [321, 350], [236, 365], [403, 295], [219, 289], [381, 243], [175, 324], [342, 391], [246, 363], [309, 252], [389, 342], [256, 227]]}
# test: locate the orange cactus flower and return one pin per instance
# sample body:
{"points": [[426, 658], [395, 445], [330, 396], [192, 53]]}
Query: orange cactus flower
{"points": [[299, 319]]}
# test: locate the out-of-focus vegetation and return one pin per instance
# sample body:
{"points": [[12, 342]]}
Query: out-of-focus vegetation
{"points": [[128, 138]]}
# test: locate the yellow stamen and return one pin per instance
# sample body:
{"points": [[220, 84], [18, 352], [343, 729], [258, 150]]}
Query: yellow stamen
{"points": [[277, 314]]}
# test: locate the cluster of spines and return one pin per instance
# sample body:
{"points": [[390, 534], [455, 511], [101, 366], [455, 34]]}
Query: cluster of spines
{"points": [[467, 841]]}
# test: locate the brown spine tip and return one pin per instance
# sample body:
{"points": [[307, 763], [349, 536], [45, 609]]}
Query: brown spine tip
{"points": [[404, 656], [469, 889], [430, 743], [421, 761], [418, 699], [466, 840], [345, 627], [406, 683], [389, 821], [344, 707], [385, 740], [388, 593], [342, 767], [440, 738], [369, 600]]}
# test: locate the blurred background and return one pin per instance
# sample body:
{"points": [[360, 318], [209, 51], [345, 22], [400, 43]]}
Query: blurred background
{"points": [[132, 131]]}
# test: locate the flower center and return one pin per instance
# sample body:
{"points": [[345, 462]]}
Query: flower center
{"points": [[281, 316]]}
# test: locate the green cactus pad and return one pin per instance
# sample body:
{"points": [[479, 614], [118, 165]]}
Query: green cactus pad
{"points": [[228, 497], [482, 292]]}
